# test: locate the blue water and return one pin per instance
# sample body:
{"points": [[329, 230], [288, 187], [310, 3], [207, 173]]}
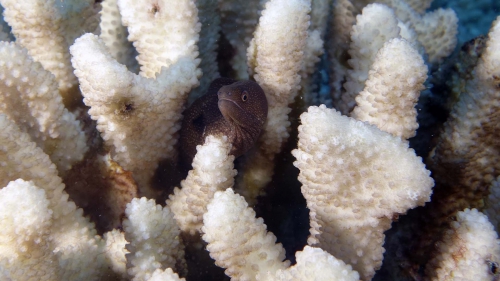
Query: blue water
{"points": [[475, 16]]}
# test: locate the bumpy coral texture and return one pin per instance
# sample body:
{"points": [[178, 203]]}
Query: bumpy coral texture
{"points": [[409, 34], [114, 35], [315, 264], [115, 251], [72, 234], [47, 28], [275, 57], [479, 103], [419, 5], [392, 90], [212, 171], [162, 31], [153, 237], [342, 20], [277, 53], [238, 241], [29, 96], [376, 25], [165, 275], [355, 178], [470, 250], [465, 159], [137, 117], [436, 30], [25, 246]]}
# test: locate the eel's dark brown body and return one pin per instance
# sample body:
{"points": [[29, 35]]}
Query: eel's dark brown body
{"points": [[236, 109]]}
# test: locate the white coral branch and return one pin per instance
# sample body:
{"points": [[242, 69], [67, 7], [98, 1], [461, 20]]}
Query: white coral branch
{"points": [[137, 117]]}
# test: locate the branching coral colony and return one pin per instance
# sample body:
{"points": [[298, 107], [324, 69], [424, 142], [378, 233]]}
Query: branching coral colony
{"points": [[92, 96]]}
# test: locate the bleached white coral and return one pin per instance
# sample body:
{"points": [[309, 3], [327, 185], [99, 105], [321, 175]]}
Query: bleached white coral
{"points": [[315, 264], [376, 25], [342, 19], [25, 245], [392, 90], [470, 250], [355, 178], [276, 56], [153, 237], [115, 251], [162, 32], [29, 96], [436, 30], [114, 35], [47, 28], [470, 135], [73, 236], [53, 238], [165, 275], [212, 171], [272, 43], [237, 240], [419, 5], [137, 117], [480, 102]]}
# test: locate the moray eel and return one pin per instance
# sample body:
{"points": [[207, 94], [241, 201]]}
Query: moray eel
{"points": [[236, 109]]}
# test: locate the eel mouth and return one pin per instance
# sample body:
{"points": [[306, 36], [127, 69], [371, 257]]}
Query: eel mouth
{"points": [[231, 110], [226, 104]]}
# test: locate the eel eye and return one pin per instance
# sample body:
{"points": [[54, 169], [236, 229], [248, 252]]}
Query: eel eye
{"points": [[244, 97]]}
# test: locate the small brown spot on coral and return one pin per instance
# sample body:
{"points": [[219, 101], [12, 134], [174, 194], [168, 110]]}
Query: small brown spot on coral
{"points": [[128, 107], [125, 109], [155, 8], [395, 217], [496, 80], [458, 255]]}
